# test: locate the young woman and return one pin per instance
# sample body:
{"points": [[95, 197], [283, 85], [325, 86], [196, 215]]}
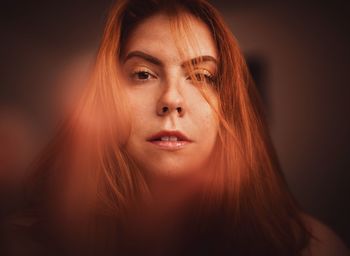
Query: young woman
{"points": [[167, 152]]}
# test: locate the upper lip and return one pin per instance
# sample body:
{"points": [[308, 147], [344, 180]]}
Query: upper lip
{"points": [[177, 134]]}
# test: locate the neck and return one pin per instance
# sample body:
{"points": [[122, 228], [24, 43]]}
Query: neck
{"points": [[174, 191], [162, 218]]}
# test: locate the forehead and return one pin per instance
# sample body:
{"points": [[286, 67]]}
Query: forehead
{"points": [[172, 39]]}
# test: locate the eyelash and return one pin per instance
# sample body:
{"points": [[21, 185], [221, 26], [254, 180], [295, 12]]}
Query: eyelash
{"points": [[144, 72], [203, 75], [200, 76]]}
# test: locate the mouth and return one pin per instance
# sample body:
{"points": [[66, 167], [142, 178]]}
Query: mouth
{"points": [[169, 140]]}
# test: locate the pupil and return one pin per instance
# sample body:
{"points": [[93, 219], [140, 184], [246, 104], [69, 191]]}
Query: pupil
{"points": [[143, 75]]}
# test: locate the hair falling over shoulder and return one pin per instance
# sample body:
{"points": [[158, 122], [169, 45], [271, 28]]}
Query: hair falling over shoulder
{"points": [[84, 182]]}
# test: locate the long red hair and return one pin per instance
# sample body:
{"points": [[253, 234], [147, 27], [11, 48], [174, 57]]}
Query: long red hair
{"points": [[248, 200]]}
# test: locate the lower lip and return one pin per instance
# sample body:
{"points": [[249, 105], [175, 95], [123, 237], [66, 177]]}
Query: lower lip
{"points": [[170, 145]]}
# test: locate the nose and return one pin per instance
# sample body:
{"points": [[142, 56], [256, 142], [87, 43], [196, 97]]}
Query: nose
{"points": [[171, 101]]}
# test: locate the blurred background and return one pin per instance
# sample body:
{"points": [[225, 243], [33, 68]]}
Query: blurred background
{"points": [[298, 53]]}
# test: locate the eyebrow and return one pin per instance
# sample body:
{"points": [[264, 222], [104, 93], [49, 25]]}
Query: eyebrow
{"points": [[156, 61]]}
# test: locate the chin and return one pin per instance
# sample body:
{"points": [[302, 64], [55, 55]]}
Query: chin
{"points": [[174, 170]]}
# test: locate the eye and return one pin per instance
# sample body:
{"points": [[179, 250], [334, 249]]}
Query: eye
{"points": [[202, 76], [142, 75]]}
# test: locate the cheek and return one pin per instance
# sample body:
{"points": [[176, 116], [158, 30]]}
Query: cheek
{"points": [[209, 124], [204, 116], [207, 133], [140, 106], [205, 127]]}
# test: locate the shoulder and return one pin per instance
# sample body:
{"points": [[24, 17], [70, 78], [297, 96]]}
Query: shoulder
{"points": [[324, 241]]}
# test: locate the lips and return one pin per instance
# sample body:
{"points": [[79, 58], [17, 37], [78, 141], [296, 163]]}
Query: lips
{"points": [[170, 140]]}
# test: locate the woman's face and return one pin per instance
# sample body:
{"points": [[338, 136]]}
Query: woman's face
{"points": [[173, 127]]}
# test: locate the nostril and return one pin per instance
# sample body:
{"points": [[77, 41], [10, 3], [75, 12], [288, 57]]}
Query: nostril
{"points": [[179, 109], [165, 109]]}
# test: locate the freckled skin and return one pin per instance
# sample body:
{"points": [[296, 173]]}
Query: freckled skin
{"points": [[168, 86]]}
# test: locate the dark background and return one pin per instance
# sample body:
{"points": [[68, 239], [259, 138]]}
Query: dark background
{"points": [[298, 53]]}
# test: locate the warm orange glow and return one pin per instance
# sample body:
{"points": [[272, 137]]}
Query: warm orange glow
{"points": [[88, 184]]}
